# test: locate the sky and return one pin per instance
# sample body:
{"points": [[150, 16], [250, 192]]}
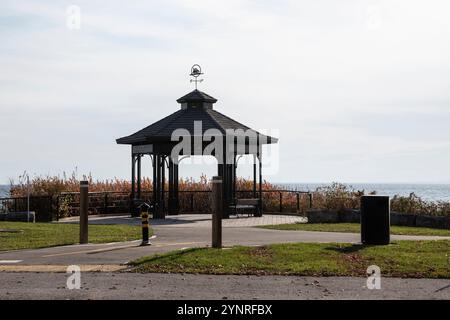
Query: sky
{"points": [[356, 90]]}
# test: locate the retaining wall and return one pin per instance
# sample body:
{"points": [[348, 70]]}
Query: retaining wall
{"points": [[397, 219]]}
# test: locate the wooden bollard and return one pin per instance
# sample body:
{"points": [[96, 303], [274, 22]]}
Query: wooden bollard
{"points": [[217, 212], [84, 205]]}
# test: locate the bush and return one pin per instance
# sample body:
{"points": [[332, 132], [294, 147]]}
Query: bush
{"points": [[336, 197]]}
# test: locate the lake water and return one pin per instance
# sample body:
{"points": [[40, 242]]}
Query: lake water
{"points": [[433, 192], [4, 191]]}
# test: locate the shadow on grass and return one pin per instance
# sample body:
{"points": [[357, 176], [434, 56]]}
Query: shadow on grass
{"points": [[349, 249], [169, 255]]}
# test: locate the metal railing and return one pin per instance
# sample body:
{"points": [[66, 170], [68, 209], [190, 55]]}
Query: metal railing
{"points": [[43, 206], [65, 204]]}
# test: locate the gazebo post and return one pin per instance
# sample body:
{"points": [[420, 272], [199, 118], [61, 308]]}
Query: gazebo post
{"points": [[139, 156], [226, 182], [163, 180], [154, 178], [175, 189], [170, 202], [260, 185], [157, 208], [230, 182], [133, 177], [254, 176], [234, 175], [221, 172]]}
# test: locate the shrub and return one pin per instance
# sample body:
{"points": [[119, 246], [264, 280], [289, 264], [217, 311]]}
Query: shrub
{"points": [[335, 197]]}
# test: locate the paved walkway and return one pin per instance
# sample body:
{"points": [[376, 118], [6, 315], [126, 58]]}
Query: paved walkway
{"points": [[195, 220], [127, 285], [177, 232]]}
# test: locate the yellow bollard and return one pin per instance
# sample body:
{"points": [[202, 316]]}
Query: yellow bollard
{"points": [[144, 217]]}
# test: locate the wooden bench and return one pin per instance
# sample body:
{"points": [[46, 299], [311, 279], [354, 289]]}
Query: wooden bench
{"points": [[242, 205]]}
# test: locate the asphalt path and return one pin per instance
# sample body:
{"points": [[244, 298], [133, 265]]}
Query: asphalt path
{"points": [[126, 285], [175, 233]]}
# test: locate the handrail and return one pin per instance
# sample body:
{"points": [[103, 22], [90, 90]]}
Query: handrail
{"points": [[149, 191]]}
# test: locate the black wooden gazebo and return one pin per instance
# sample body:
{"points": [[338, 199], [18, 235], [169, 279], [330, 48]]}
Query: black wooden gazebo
{"points": [[198, 121]]}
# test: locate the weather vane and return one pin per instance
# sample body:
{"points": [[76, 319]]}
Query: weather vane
{"points": [[196, 71]]}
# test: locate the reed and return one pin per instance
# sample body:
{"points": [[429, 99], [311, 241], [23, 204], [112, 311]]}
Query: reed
{"points": [[336, 197]]}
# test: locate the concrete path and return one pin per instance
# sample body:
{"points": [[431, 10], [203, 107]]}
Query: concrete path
{"points": [[195, 220], [177, 232], [125, 285]]}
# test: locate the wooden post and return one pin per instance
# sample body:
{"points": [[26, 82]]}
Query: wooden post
{"points": [[217, 207], [84, 204]]}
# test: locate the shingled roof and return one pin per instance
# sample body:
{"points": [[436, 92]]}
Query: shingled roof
{"points": [[184, 119], [197, 95]]}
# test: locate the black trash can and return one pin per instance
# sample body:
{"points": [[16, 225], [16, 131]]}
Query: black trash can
{"points": [[375, 220]]}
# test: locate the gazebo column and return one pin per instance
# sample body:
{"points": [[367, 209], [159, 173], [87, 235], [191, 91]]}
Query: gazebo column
{"points": [[176, 200], [163, 184], [139, 194], [158, 185], [230, 183], [133, 177], [157, 209], [234, 176], [133, 185], [254, 176], [222, 172], [227, 181], [154, 178], [170, 199], [260, 186]]}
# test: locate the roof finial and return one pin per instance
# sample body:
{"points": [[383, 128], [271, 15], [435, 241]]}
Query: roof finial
{"points": [[196, 71]]}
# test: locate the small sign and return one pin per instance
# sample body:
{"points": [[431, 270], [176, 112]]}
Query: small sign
{"points": [[145, 148]]}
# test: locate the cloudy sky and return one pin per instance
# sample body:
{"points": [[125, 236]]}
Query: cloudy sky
{"points": [[359, 90]]}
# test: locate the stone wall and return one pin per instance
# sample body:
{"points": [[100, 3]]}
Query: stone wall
{"points": [[397, 219]]}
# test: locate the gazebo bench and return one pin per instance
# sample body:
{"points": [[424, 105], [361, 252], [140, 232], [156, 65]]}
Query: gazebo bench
{"points": [[242, 205]]}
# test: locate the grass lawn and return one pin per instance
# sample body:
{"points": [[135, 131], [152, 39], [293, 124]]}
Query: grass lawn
{"points": [[22, 235], [417, 259], [355, 228]]}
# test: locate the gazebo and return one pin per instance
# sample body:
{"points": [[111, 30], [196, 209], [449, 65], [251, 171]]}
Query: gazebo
{"points": [[195, 129]]}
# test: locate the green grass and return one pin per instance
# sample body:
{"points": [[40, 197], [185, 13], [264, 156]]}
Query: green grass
{"points": [[355, 228], [418, 259], [39, 235]]}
